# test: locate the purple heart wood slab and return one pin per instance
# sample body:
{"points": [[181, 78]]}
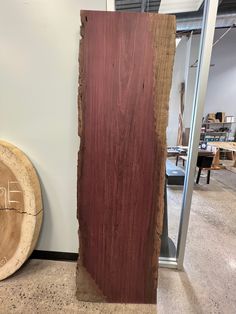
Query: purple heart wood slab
{"points": [[126, 62]]}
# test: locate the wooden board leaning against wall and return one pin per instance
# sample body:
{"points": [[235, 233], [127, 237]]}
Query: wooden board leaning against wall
{"points": [[126, 62]]}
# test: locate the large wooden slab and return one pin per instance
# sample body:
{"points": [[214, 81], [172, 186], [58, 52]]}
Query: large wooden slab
{"points": [[126, 64], [21, 209]]}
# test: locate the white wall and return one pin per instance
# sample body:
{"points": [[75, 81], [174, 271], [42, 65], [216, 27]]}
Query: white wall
{"points": [[39, 42], [174, 102], [221, 92], [191, 79]]}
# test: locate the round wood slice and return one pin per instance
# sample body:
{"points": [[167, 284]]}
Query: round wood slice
{"points": [[20, 209]]}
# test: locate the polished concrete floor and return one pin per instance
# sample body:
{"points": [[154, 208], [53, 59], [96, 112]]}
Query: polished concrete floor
{"points": [[49, 287], [207, 284]]}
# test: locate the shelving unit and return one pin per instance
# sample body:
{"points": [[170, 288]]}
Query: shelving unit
{"points": [[216, 135]]}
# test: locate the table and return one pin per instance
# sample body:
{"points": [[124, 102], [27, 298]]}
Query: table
{"points": [[173, 151], [230, 146], [179, 151]]}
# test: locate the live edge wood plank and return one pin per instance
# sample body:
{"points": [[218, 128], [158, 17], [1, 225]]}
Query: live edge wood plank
{"points": [[126, 62]]}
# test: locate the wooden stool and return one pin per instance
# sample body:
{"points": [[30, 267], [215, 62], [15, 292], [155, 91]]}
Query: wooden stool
{"points": [[204, 162]]}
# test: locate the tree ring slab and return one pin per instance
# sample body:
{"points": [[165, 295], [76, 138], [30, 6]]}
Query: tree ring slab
{"points": [[21, 209]]}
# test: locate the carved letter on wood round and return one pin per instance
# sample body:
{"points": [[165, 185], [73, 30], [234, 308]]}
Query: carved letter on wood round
{"points": [[20, 209]]}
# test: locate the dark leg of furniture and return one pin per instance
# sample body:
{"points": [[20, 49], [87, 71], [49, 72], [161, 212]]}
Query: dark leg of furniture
{"points": [[198, 175], [177, 159], [164, 237], [167, 245], [208, 176], [183, 162]]}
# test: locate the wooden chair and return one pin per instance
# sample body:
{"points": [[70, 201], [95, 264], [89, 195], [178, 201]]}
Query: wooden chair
{"points": [[184, 158]]}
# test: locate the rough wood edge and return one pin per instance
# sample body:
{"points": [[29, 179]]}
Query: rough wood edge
{"points": [[162, 72], [87, 289]]}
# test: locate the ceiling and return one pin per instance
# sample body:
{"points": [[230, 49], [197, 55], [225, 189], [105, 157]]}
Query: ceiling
{"points": [[186, 21], [136, 5], [225, 7]]}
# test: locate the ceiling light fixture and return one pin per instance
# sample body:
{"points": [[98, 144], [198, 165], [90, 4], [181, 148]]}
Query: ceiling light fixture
{"points": [[177, 6]]}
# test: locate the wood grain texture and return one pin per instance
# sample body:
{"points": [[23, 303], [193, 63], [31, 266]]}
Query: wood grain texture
{"points": [[126, 62], [21, 209]]}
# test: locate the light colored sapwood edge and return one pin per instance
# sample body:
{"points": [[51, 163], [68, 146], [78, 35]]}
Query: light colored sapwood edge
{"points": [[27, 177], [162, 27], [87, 289], [81, 100]]}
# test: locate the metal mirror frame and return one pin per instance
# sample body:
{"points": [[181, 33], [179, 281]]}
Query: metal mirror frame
{"points": [[204, 58]]}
